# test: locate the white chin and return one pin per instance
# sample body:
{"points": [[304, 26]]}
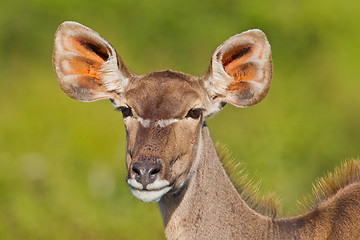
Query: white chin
{"points": [[149, 195]]}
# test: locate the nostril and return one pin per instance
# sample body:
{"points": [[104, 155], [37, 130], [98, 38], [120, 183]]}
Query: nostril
{"points": [[135, 170], [155, 171]]}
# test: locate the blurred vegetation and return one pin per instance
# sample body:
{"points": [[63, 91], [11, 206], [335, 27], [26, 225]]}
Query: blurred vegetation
{"points": [[62, 171]]}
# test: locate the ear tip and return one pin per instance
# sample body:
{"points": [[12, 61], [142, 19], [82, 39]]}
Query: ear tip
{"points": [[256, 31], [70, 24], [254, 35], [259, 34]]}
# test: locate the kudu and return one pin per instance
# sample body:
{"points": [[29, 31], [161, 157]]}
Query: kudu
{"points": [[170, 156]]}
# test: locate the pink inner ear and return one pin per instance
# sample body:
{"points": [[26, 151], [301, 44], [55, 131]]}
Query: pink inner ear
{"points": [[87, 62], [87, 49], [80, 66], [235, 65], [236, 56]]}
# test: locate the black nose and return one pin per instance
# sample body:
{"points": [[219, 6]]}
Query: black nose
{"points": [[145, 171]]}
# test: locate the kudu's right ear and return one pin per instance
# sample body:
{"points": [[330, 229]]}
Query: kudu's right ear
{"points": [[240, 72], [86, 65]]}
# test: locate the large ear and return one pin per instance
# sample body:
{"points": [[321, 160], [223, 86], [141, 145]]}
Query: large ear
{"points": [[240, 72], [86, 65]]}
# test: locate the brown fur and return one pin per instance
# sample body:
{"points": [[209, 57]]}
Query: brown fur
{"points": [[194, 214]]}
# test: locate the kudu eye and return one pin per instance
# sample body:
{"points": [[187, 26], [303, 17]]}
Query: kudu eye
{"points": [[126, 111], [194, 113]]}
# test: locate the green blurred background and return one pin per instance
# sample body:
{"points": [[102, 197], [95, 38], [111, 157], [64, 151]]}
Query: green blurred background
{"points": [[62, 170]]}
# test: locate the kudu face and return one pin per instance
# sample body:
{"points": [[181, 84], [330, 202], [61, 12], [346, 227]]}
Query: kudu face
{"points": [[163, 115], [163, 111]]}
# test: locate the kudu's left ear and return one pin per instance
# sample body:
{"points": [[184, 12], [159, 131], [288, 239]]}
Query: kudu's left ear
{"points": [[240, 72], [86, 65]]}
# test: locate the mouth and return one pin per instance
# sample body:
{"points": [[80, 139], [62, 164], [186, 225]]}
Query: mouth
{"points": [[152, 193]]}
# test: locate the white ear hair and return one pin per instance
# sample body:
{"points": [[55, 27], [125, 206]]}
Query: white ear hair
{"points": [[112, 77]]}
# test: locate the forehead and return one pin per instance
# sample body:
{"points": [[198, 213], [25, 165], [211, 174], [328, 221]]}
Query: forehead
{"points": [[163, 95]]}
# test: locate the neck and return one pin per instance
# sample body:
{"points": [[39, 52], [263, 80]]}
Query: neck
{"points": [[208, 206]]}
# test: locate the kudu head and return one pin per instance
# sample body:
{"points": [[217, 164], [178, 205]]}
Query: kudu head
{"points": [[163, 111]]}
